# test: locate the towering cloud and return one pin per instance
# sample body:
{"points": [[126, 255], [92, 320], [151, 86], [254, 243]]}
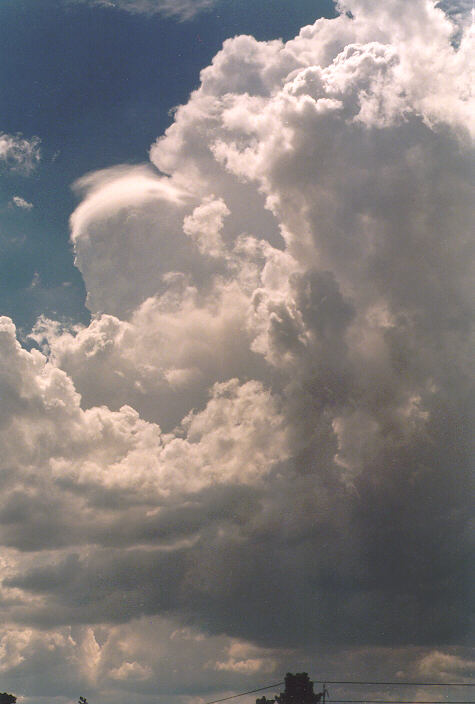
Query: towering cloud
{"points": [[262, 435]]}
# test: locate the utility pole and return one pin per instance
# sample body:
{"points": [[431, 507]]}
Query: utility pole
{"points": [[324, 693]]}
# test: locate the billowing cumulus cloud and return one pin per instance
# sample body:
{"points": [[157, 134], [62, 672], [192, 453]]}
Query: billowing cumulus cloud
{"points": [[259, 444], [19, 153]]}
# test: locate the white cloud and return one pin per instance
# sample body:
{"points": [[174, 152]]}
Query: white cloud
{"points": [[262, 431], [20, 202], [131, 215], [205, 224], [446, 666], [164, 360], [236, 438], [130, 671], [12, 645], [246, 659], [19, 153]]}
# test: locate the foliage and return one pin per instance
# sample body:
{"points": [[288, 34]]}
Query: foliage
{"points": [[7, 698], [298, 690]]}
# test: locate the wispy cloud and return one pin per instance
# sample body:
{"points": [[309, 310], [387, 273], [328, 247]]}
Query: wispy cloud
{"points": [[181, 9]]}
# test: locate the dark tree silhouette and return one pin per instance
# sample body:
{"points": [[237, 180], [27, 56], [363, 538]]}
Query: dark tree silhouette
{"points": [[298, 690], [82, 700], [7, 698]]}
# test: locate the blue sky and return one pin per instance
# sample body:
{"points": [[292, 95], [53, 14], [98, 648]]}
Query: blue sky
{"points": [[235, 381], [96, 84]]}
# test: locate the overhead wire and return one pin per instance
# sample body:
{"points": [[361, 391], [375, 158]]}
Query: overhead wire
{"points": [[251, 691], [364, 701], [394, 684]]}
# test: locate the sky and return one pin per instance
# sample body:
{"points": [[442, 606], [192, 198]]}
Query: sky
{"points": [[235, 370]]}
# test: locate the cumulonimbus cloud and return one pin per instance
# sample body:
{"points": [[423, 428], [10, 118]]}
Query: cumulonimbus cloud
{"points": [[263, 432]]}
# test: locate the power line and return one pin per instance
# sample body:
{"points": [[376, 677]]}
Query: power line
{"points": [[365, 701], [408, 684], [251, 691]]}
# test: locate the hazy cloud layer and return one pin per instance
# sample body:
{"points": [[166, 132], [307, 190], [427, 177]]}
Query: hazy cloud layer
{"points": [[181, 9], [260, 443]]}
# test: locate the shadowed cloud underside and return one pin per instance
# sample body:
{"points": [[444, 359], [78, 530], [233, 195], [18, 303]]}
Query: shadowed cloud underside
{"points": [[258, 448]]}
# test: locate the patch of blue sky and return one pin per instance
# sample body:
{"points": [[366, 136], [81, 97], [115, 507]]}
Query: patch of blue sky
{"points": [[96, 84]]}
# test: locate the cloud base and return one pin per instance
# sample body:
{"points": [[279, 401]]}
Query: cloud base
{"points": [[259, 446]]}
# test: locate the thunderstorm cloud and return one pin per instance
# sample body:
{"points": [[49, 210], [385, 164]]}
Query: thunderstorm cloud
{"points": [[257, 449]]}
